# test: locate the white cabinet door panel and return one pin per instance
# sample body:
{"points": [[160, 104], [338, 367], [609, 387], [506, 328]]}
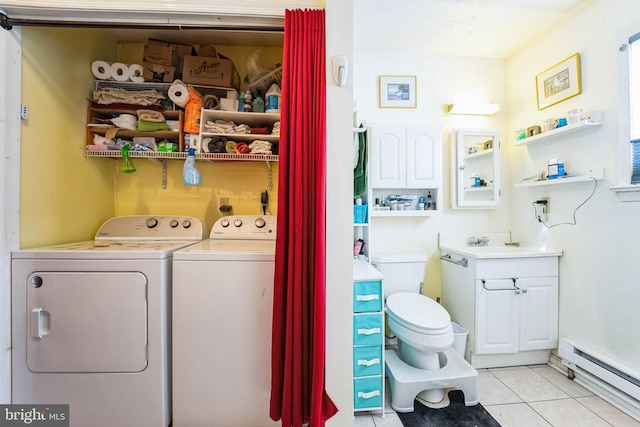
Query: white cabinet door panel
{"points": [[497, 320], [423, 157], [388, 169], [538, 313]]}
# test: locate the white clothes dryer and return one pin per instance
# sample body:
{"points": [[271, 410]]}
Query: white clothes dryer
{"points": [[222, 311], [91, 322]]}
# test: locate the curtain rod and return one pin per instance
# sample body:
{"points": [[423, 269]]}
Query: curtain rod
{"points": [[7, 23]]}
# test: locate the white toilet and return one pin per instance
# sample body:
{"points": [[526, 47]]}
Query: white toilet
{"points": [[425, 363]]}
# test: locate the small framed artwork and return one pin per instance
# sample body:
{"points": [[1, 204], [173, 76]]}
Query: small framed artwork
{"points": [[560, 82], [397, 91]]}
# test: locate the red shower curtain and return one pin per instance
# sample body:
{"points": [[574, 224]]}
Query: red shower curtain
{"points": [[298, 395]]}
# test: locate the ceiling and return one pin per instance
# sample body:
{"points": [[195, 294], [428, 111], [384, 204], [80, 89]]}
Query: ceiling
{"points": [[480, 28]]}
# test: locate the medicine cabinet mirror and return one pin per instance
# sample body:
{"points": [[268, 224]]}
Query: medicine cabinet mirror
{"points": [[475, 168]]}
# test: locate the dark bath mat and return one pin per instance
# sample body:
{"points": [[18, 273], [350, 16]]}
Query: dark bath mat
{"points": [[454, 415]]}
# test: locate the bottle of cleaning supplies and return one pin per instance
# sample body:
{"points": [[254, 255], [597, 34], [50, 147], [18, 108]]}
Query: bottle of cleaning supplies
{"points": [[258, 103], [272, 99], [127, 164], [190, 174], [248, 106], [241, 102]]}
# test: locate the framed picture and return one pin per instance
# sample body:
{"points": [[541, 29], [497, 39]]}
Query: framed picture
{"points": [[560, 82], [397, 91]]}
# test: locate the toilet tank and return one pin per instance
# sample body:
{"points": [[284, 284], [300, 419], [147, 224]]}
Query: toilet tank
{"points": [[402, 272]]}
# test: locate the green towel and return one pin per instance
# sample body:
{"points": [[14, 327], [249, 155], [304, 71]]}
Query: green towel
{"points": [[360, 171], [145, 126]]}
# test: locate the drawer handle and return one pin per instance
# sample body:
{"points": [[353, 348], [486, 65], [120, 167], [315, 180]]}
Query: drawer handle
{"points": [[368, 331], [372, 297], [369, 395], [365, 362]]}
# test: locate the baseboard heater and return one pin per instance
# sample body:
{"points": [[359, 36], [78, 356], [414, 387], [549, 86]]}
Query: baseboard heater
{"points": [[617, 384]]}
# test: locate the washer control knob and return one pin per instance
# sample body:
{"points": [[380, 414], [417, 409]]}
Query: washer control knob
{"points": [[152, 222], [237, 222], [186, 223], [260, 222], [173, 223], [224, 223]]}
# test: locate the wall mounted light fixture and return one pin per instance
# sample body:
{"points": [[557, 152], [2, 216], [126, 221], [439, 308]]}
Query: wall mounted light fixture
{"points": [[473, 109]]}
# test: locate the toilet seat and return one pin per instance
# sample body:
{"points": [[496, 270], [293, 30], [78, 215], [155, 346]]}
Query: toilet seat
{"points": [[418, 313]]}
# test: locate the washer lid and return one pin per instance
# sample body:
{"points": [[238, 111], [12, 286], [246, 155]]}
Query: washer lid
{"points": [[418, 312]]}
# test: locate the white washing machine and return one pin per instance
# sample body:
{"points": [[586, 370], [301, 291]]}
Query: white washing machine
{"points": [[91, 322], [222, 311]]}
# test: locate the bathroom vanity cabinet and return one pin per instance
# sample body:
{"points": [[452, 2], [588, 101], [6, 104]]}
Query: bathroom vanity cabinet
{"points": [[508, 304], [368, 338]]}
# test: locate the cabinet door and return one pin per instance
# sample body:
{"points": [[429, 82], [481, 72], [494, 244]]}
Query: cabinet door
{"points": [[423, 153], [538, 313], [497, 317], [387, 157], [475, 153]]}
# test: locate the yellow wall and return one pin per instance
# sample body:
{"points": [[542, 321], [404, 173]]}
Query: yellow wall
{"points": [[65, 196]]}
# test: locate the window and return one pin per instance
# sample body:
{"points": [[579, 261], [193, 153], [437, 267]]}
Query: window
{"points": [[634, 106], [629, 122]]}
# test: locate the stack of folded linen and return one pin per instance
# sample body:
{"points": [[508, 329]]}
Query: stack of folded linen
{"points": [[223, 126], [260, 147]]}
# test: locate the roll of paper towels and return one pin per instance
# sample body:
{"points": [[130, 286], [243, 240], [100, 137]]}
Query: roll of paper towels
{"points": [[119, 72], [101, 70], [179, 93], [135, 73]]}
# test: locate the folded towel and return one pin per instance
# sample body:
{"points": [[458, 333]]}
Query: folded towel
{"points": [[145, 126], [231, 147], [211, 102], [242, 148], [151, 116]]}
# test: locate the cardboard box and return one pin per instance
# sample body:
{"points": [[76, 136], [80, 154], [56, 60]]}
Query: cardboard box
{"points": [[207, 71], [158, 73], [205, 50], [181, 50], [163, 55]]}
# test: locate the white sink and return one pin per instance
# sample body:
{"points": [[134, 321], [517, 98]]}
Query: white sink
{"points": [[503, 251]]}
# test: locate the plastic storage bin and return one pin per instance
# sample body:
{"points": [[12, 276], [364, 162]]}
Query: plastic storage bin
{"points": [[459, 338], [359, 214]]}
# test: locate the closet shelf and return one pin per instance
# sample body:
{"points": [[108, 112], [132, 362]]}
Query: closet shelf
{"points": [[183, 155], [565, 130]]}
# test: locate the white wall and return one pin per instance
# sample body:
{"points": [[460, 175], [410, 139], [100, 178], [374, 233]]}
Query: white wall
{"points": [[440, 80], [599, 272], [339, 293], [9, 192]]}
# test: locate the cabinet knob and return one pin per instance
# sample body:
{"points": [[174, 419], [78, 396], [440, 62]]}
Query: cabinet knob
{"points": [[517, 292], [524, 291]]}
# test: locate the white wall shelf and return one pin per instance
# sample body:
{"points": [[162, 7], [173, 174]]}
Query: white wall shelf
{"points": [[596, 174], [395, 214], [589, 123], [477, 154]]}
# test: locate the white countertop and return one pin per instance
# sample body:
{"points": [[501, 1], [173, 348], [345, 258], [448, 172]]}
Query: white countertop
{"points": [[363, 271], [503, 251]]}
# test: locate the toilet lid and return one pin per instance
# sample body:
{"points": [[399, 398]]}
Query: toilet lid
{"points": [[418, 312]]}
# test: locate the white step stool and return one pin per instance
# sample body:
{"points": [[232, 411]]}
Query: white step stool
{"points": [[406, 381]]}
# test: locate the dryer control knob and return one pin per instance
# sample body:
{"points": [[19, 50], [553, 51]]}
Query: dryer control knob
{"points": [[152, 222], [237, 223], [173, 223], [224, 223], [260, 222], [186, 223]]}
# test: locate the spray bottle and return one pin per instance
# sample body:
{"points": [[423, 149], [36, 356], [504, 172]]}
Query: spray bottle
{"points": [[190, 174]]}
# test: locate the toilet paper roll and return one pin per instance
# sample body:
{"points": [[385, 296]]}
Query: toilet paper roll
{"points": [[179, 93], [135, 73], [101, 70], [119, 72]]}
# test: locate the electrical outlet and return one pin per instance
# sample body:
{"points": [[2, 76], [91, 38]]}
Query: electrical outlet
{"points": [[546, 200], [24, 112]]}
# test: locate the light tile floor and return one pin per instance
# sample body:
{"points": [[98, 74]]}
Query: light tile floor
{"points": [[528, 396]]}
